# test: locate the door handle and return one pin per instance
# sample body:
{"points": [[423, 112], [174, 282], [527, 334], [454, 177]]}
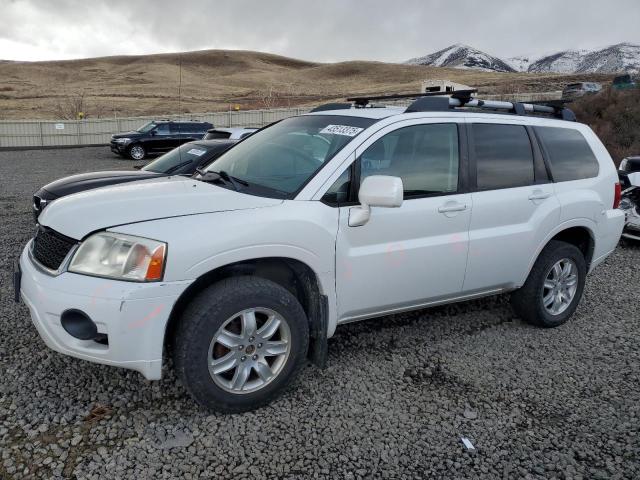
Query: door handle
{"points": [[539, 196], [459, 207]]}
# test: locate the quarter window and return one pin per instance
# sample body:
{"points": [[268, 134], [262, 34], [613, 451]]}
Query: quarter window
{"points": [[568, 153], [503, 154], [426, 157], [338, 193]]}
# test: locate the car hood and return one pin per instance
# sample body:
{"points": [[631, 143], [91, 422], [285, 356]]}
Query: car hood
{"points": [[132, 133], [86, 181], [82, 213]]}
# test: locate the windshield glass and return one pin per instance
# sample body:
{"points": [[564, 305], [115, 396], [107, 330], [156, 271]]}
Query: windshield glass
{"points": [[177, 158], [146, 127], [279, 160]]}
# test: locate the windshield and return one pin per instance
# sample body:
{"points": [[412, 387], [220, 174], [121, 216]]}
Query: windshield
{"points": [[279, 160], [147, 127], [176, 159]]}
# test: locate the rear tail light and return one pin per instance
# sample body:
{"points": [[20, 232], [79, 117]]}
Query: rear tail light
{"points": [[617, 195]]}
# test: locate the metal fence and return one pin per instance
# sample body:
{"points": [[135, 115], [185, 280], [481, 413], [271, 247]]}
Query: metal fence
{"points": [[57, 133]]}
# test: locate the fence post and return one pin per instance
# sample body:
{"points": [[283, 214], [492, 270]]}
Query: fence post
{"points": [[41, 135]]}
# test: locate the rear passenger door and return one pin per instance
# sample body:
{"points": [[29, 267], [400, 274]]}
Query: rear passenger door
{"points": [[514, 203]]}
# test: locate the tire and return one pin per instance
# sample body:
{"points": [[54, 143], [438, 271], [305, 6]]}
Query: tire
{"points": [[136, 152], [529, 301], [199, 340]]}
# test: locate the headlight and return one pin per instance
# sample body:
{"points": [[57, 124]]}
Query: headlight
{"points": [[119, 256], [123, 140]]}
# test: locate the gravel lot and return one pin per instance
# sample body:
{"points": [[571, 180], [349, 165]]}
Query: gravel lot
{"points": [[398, 395]]}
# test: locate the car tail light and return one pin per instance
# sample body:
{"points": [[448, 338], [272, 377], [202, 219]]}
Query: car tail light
{"points": [[617, 195]]}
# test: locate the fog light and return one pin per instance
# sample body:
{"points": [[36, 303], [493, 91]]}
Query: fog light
{"points": [[78, 325]]}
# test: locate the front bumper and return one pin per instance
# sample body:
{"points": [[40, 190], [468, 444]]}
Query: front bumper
{"points": [[132, 315], [119, 148]]}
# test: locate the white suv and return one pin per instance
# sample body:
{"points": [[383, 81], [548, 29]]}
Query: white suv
{"points": [[246, 270]]}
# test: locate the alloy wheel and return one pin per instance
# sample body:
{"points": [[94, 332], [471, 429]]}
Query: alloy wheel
{"points": [[249, 350], [137, 152], [560, 286]]}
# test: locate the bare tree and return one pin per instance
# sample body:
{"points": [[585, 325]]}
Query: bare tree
{"points": [[77, 107]]}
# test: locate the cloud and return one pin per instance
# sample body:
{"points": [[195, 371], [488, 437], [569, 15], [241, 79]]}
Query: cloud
{"points": [[330, 30]]}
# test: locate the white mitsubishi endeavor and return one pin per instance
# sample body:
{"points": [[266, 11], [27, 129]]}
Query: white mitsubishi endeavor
{"points": [[245, 270]]}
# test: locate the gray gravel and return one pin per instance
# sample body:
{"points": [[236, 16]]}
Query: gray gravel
{"points": [[398, 395]]}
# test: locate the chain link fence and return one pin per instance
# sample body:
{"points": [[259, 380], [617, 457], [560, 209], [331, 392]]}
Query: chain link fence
{"points": [[98, 131]]}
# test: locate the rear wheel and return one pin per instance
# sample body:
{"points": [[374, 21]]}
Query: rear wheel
{"points": [[240, 343], [554, 287], [137, 152]]}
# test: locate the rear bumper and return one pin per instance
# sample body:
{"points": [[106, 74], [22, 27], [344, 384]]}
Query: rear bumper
{"points": [[609, 232], [132, 315]]}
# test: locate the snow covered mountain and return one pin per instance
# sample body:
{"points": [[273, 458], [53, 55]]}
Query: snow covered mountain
{"points": [[622, 57], [462, 56], [561, 62]]}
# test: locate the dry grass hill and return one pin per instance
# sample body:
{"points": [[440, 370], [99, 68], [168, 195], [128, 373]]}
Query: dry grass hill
{"points": [[214, 80]]}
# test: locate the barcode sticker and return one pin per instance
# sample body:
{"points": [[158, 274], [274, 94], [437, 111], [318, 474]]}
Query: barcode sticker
{"points": [[345, 130], [197, 152]]}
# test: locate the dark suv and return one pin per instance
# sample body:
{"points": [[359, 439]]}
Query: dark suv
{"points": [[157, 137]]}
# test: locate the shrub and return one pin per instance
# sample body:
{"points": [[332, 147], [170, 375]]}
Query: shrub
{"points": [[615, 117]]}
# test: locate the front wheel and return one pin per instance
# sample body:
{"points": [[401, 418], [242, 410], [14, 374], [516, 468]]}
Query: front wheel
{"points": [[240, 343], [137, 152], [554, 287]]}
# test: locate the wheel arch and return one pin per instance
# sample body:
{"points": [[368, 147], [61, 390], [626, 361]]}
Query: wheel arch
{"points": [[294, 275], [580, 232]]}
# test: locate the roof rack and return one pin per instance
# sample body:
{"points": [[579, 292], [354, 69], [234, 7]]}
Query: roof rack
{"points": [[361, 102], [445, 101]]}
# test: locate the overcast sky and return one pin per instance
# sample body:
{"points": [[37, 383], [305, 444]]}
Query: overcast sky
{"points": [[320, 30]]}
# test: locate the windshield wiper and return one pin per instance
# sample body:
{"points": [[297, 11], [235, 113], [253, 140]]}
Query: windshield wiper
{"points": [[235, 182], [176, 167]]}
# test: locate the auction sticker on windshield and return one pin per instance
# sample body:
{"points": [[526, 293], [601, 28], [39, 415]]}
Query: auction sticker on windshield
{"points": [[345, 130], [197, 152]]}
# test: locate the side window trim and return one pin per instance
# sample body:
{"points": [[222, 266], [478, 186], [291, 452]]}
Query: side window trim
{"points": [[541, 172], [544, 155], [463, 175]]}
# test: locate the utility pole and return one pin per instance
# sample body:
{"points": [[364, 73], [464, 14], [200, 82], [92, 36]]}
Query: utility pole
{"points": [[180, 83]]}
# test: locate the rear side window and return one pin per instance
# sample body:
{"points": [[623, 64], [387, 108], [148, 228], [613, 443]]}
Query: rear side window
{"points": [[504, 158], [568, 153]]}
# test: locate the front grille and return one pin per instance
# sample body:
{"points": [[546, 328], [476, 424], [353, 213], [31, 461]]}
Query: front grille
{"points": [[50, 248]]}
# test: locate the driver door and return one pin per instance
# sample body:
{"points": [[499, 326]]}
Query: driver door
{"points": [[412, 255]]}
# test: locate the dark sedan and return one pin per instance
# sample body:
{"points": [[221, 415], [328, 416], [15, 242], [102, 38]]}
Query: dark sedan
{"points": [[183, 160]]}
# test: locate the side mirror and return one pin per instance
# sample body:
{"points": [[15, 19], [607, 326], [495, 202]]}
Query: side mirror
{"points": [[376, 191], [153, 133]]}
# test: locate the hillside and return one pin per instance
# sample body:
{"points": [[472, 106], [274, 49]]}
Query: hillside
{"points": [[614, 116], [215, 80]]}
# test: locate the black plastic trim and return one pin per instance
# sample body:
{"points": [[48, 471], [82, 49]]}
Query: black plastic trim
{"points": [[78, 324]]}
